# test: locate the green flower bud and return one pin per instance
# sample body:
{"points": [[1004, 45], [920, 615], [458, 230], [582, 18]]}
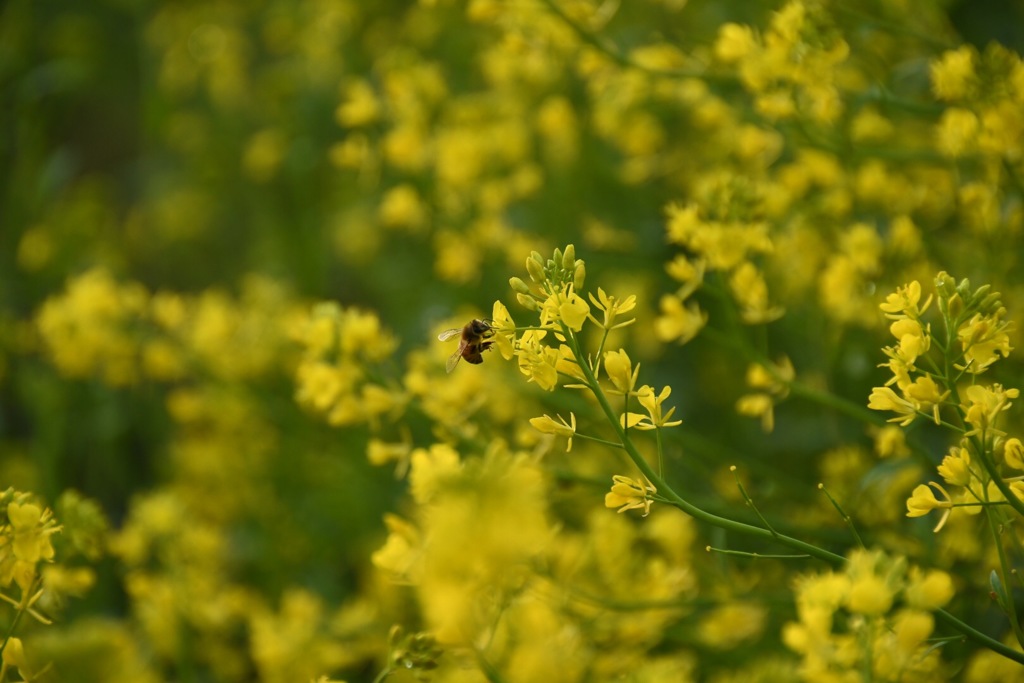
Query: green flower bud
{"points": [[945, 285], [536, 269], [989, 303], [956, 306], [579, 275], [527, 302], [979, 294], [519, 286], [569, 258]]}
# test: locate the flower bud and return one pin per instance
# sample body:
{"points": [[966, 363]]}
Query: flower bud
{"points": [[980, 293], [989, 302], [519, 286], [535, 267], [945, 284], [578, 276], [569, 258], [527, 302], [956, 306]]}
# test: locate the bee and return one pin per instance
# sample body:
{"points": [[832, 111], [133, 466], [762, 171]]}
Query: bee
{"points": [[472, 343]]}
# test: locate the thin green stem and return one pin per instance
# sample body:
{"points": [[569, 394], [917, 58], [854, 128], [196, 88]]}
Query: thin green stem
{"points": [[604, 442], [661, 456], [750, 504], [842, 514], [1004, 570], [756, 556]]}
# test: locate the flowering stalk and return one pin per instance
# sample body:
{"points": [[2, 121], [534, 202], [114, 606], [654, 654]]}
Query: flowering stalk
{"points": [[667, 492], [563, 313]]}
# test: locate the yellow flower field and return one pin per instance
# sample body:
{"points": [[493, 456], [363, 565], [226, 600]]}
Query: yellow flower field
{"points": [[505, 341]]}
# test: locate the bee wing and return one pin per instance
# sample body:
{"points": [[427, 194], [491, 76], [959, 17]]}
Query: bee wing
{"points": [[448, 334], [453, 359]]}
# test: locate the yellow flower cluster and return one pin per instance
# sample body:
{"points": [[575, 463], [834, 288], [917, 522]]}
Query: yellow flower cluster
{"points": [[795, 68], [874, 616], [122, 333], [981, 469], [28, 560], [333, 379], [770, 386]]}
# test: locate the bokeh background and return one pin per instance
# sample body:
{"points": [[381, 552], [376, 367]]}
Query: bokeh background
{"points": [[183, 182]]}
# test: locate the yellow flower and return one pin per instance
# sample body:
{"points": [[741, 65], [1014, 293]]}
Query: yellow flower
{"points": [[891, 441], [629, 494], [538, 361], [758, 405], [922, 501], [884, 398], [734, 43], [566, 307], [504, 329], [401, 552], [984, 405], [773, 383], [904, 302], [1013, 452], [612, 308], [869, 595], [620, 371], [750, 291], [574, 311], [32, 529], [360, 105], [925, 393], [652, 403], [953, 74], [14, 655], [914, 339], [678, 322], [432, 470], [984, 339], [929, 590], [547, 425], [956, 467], [957, 132], [875, 579]]}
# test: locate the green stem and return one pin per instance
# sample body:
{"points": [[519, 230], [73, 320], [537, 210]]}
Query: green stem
{"points": [[604, 442], [842, 514], [1005, 571]]}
